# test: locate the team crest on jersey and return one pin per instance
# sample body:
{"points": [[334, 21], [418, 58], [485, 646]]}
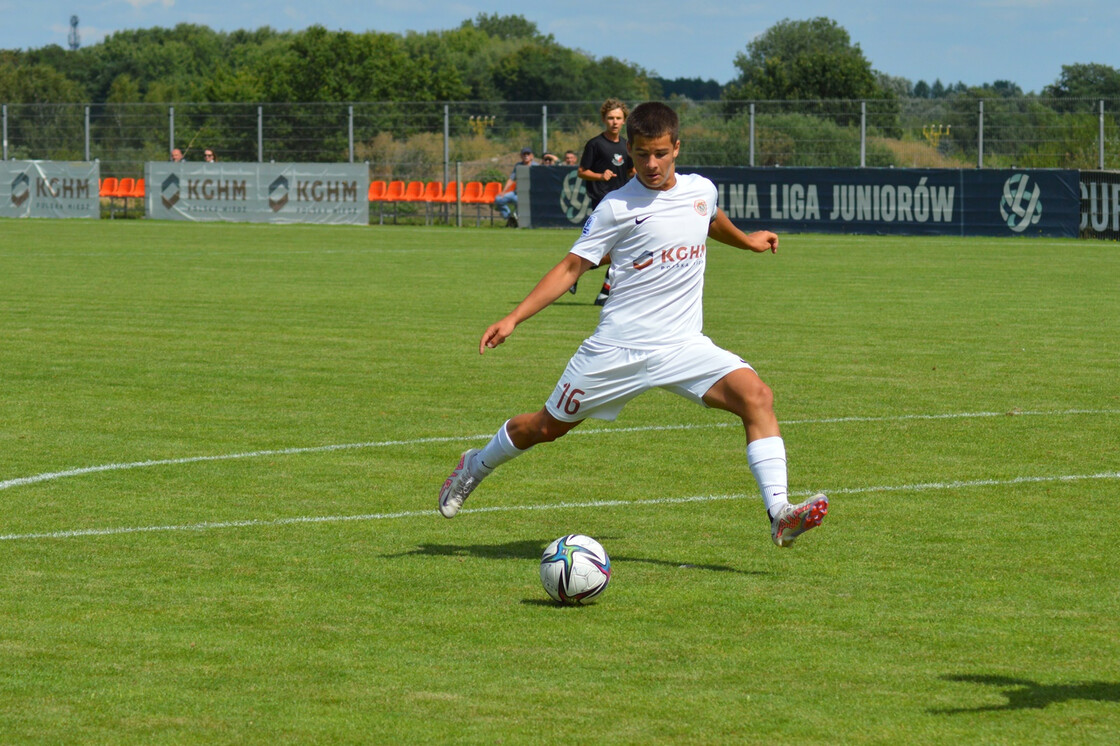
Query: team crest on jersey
{"points": [[616, 159], [701, 206], [588, 223]]}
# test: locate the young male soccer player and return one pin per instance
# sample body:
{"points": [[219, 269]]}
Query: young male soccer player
{"points": [[606, 166], [649, 334]]}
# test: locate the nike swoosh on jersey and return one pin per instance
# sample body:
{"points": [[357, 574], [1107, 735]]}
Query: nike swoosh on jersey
{"points": [[644, 218]]}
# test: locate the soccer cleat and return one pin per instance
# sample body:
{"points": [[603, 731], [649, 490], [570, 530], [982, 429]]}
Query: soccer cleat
{"points": [[794, 520], [604, 293], [458, 486], [572, 289]]}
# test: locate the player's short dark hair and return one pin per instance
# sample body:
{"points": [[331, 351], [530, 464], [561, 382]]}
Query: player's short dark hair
{"points": [[653, 119]]}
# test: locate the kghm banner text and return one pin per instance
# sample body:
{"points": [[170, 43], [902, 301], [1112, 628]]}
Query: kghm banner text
{"points": [[49, 189], [259, 192]]}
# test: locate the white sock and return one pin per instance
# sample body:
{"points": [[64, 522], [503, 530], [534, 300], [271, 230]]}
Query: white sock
{"points": [[767, 458], [499, 450]]}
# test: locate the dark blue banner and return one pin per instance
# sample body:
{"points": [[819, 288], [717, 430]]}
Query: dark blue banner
{"points": [[861, 200], [1100, 204]]}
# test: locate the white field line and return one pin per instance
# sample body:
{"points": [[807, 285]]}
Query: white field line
{"points": [[51, 476], [433, 514]]}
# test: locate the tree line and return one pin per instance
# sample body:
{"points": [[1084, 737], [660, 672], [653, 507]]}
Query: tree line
{"points": [[505, 58], [489, 58]]}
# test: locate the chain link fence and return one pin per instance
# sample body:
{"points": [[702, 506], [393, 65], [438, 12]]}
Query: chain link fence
{"points": [[425, 141]]}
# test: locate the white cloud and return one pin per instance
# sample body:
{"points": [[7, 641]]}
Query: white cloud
{"points": [[138, 4]]}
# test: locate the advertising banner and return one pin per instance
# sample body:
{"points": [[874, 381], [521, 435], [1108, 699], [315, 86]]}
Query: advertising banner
{"points": [[865, 200], [258, 192], [556, 198], [1100, 204], [49, 189]]}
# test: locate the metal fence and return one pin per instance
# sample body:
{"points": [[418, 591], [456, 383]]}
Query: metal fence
{"points": [[424, 141]]}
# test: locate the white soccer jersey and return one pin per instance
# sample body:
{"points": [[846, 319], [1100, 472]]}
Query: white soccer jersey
{"points": [[657, 241]]}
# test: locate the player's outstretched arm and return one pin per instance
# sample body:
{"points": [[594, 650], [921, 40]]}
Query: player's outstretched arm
{"points": [[554, 284], [724, 231]]}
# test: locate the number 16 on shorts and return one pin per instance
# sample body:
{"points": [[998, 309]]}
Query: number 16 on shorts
{"points": [[569, 399]]}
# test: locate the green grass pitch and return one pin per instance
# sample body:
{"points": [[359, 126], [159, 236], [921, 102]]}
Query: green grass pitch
{"points": [[222, 445]]}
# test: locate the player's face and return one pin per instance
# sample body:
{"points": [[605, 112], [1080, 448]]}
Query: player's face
{"points": [[655, 160], [614, 121]]}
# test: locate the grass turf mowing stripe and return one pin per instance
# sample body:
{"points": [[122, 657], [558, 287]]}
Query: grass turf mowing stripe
{"points": [[51, 476], [250, 522]]}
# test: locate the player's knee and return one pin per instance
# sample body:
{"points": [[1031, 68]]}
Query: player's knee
{"points": [[758, 397]]}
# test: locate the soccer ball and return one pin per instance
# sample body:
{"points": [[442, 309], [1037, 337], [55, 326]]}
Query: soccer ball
{"points": [[575, 569]]}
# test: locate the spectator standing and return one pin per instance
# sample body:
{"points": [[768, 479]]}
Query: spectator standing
{"points": [[606, 166]]}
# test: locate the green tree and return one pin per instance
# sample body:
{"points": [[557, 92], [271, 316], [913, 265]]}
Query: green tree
{"points": [[1085, 81], [505, 27], [541, 72], [43, 118], [813, 59], [35, 84]]}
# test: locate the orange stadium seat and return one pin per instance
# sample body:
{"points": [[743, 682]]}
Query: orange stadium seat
{"points": [[472, 192], [414, 192], [136, 193], [433, 190], [377, 191], [450, 193], [449, 197], [108, 186], [122, 192], [492, 190], [394, 193], [473, 195]]}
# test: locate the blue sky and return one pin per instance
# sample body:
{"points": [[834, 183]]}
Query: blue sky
{"points": [[974, 41]]}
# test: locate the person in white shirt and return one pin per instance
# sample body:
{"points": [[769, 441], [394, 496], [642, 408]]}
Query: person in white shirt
{"points": [[653, 232]]}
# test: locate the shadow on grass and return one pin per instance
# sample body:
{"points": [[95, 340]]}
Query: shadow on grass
{"points": [[1024, 694], [523, 550]]}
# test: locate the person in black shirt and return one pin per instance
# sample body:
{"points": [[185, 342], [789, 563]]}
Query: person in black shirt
{"points": [[606, 166]]}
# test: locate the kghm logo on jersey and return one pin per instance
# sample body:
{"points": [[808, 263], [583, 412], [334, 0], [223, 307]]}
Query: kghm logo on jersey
{"points": [[644, 260], [668, 258]]}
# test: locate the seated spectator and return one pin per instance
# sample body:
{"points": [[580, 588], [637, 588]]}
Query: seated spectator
{"points": [[548, 159], [506, 202]]}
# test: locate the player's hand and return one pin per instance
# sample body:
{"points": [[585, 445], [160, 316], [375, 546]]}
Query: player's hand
{"points": [[763, 241], [608, 175], [495, 335]]}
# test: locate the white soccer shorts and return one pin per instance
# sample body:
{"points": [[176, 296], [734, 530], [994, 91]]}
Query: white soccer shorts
{"points": [[600, 379]]}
